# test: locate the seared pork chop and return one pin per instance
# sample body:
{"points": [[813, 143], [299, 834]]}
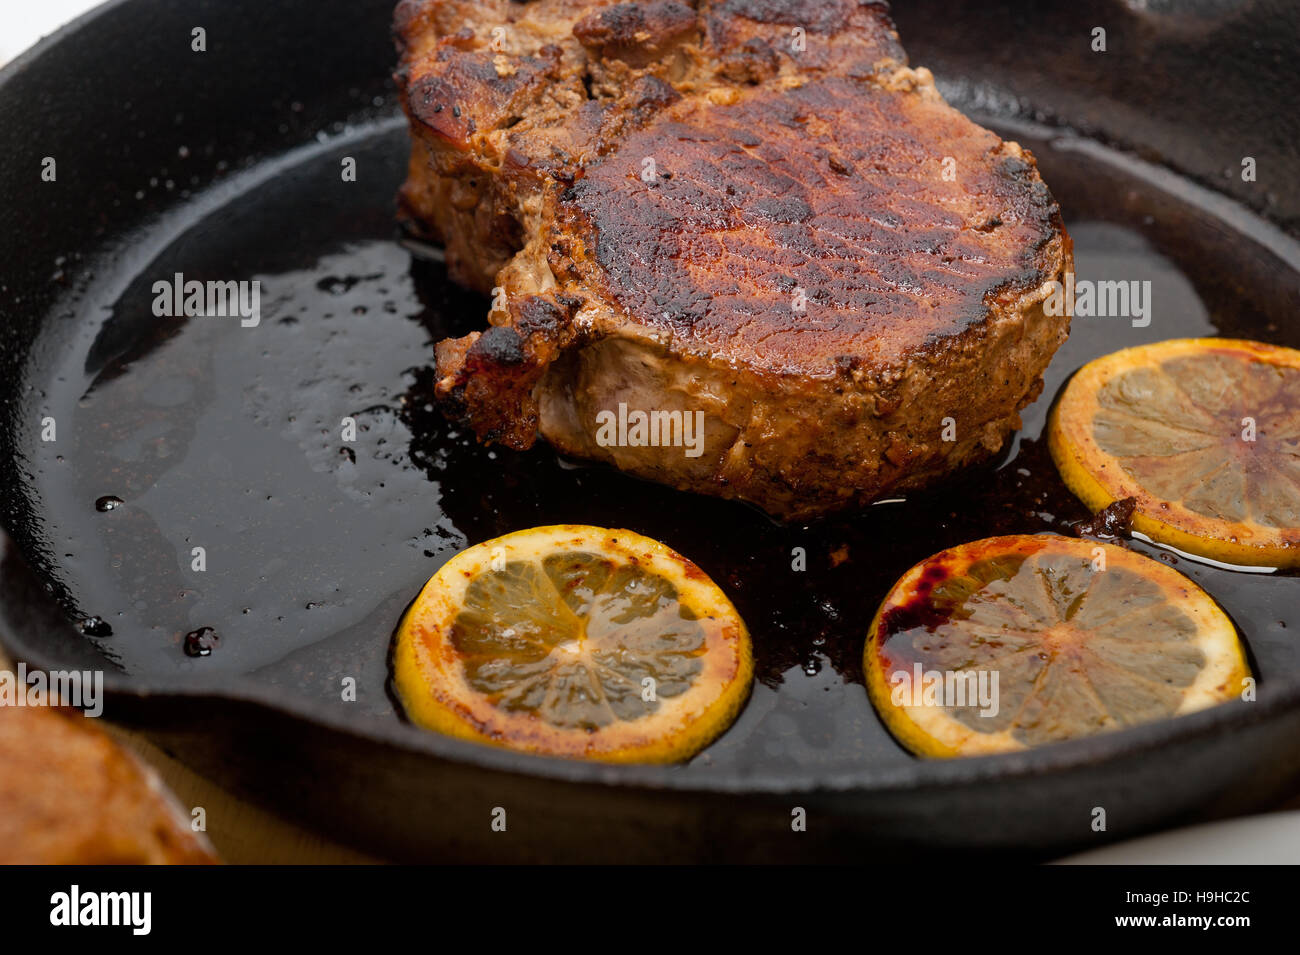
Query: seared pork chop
{"points": [[749, 214]]}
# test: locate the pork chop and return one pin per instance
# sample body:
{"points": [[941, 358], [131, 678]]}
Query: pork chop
{"points": [[738, 246]]}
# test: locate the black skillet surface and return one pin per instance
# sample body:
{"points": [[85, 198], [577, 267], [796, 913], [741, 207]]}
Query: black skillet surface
{"points": [[226, 165]]}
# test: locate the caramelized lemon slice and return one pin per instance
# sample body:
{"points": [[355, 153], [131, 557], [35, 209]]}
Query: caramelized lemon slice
{"points": [[574, 641], [1012, 642], [1203, 432]]}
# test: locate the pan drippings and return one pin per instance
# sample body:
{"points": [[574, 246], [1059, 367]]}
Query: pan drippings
{"points": [[284, 490]]}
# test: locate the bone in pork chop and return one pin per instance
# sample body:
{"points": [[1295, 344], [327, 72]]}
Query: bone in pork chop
{"points": [[749, 213]]}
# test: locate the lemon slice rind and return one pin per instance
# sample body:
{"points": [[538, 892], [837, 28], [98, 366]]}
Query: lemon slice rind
{"points": [[931, 731], [431, 682], [1098, 479]]}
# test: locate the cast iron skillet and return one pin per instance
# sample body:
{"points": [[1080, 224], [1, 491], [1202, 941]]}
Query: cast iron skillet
{"points": [[226, 164]]}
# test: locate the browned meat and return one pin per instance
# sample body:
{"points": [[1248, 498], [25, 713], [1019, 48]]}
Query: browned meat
{"points": [[70, 795], [749, 209]]}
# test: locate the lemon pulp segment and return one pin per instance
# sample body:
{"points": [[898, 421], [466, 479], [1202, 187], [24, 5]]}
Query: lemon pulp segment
{"points": [[574, 641], [1073, 638], [1204, 434]]}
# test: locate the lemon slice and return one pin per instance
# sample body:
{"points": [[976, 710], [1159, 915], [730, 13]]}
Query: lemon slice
{"points": [[1204, 434], [1012, 642], [574, 641]]}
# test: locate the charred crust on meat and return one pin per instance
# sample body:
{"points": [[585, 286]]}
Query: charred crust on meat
{"points": [[1015, 169], [498, 346], [486, 381], [627, 28], [847, 37], [537, 315], [468, 93], [755, 206], [826, 17], [798, 264], [429, 97], [649, 94]]}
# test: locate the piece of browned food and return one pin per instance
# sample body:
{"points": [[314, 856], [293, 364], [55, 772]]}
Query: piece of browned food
{"points": [[70, 795], [753, 209]]}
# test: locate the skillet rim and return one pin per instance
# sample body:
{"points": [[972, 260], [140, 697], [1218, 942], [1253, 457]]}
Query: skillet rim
{"points": [[1276, 697]]}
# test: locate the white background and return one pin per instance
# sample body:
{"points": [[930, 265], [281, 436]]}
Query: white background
{"points": [[23, 22]]}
